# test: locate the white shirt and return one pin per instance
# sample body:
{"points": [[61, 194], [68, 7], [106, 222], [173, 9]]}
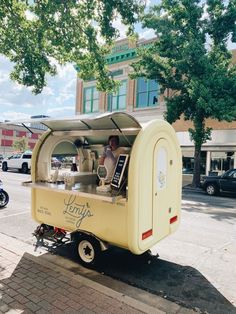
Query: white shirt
{"points": [[110, 160]]}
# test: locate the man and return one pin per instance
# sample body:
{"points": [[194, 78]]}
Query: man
{"points": [[110, 156]]}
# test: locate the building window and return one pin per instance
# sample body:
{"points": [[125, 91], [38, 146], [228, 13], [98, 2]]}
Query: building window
{"points": [[147, 93], [6, 142], [7, 132], [20, 134], [91, 99], [117, 101], [34, 136], [31, 145]]}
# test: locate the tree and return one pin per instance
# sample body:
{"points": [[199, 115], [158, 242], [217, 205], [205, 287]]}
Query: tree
{"points": [[191, 59], [21, 145], [34, 34]]}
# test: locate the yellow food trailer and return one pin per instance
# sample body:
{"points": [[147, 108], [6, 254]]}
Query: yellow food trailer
{"points": [[143, 204]]}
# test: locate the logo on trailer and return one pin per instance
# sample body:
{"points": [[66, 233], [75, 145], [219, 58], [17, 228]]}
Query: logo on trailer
{"points": [[77, 211]]}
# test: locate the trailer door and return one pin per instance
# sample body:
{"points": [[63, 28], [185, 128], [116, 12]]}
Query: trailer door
{"points": [[161, 191]]}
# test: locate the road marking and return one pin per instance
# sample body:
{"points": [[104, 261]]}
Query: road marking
{"points": [[15, 214]]}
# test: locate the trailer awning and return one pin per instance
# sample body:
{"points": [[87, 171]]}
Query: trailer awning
{"points": [[108, 121]]}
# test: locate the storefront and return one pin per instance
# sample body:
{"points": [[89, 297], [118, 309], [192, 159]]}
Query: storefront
{"points": [[218, 155]]}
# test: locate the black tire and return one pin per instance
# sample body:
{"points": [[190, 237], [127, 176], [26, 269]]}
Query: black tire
{"points": [[4, 166], [211, 189], [4, 198], [24, 168], [88, 250]]}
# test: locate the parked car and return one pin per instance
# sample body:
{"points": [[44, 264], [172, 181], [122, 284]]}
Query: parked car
{"points": [[187, 171], [55, 163], [21, 162], [217, 184]]}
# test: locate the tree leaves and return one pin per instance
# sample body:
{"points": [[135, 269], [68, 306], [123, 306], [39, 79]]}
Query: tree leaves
{"points": [[35, 34], [190, 57]]}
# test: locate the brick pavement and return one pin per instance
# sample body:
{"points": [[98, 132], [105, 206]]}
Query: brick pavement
{"points": [[26, 286]]}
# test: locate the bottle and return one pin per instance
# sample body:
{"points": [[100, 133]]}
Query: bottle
{"points": [[55, 175], [73, 166]]}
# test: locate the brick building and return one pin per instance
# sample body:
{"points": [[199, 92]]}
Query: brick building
{"points": [[11, 132], [143, 100]]}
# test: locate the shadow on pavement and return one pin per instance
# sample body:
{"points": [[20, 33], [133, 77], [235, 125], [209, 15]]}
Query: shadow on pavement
{"points": [[218, 208], [181, 284]]}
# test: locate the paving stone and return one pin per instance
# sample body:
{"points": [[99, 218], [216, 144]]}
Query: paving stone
{"points": [[45, 305], [34, 298], [60, 305], [11, 292], [21, 299], [70, 311], [85, 311], [4, 308], [32, 306], [16, 306], [7, 299], [42, 311], [23, 291], [75, 305]]}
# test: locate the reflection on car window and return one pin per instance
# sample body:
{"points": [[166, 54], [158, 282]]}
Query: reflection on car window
{"points": [[232, 174]]}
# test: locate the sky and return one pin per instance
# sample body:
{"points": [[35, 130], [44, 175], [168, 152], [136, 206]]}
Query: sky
{"points": [[57, 98], [18, 102]]}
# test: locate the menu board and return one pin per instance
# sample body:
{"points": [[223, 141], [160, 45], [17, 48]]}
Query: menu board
{"points": [[119, 170]]}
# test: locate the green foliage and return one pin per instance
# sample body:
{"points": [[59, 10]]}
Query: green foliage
{"points": [[191, 59], [21, 145], [34, 34]]}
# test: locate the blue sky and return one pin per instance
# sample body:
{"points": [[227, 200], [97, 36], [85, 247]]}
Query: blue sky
{"points": [[57, 99]]}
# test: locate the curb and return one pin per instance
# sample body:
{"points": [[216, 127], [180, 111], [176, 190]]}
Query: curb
{"points": [[194, 190]]}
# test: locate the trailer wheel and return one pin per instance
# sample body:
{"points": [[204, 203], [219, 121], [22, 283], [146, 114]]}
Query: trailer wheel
{"points": [[88, 249]]}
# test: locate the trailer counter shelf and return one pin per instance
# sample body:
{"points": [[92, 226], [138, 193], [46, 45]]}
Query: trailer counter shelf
{"points": [[135, 217]]}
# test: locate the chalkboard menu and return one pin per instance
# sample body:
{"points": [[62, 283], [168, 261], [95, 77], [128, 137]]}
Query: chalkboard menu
{"points": [[119, 170]]}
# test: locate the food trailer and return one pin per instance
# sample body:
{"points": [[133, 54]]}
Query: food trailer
{"points": [[143, 205]]}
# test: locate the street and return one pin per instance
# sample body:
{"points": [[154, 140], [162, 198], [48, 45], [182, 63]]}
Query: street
{"points": [[196, 265]]}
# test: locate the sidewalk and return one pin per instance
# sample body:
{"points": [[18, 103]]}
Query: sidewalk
{"points": [[31, 284]]}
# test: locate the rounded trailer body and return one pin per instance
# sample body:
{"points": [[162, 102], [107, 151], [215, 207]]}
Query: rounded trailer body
{"points": [[136, 219]]}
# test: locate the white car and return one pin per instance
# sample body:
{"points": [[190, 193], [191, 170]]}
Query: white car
{"points": [[21, 162]]}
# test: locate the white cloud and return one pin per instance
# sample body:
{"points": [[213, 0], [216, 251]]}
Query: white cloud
{"points": [[121, 27], [16, 86], [60, 92], [3, 77], [47, 91], [13, 115], [27, 106], [61, 111], [65, 71], [5, 103], [147, 34]]}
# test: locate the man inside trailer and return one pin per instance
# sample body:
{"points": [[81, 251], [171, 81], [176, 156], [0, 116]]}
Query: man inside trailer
{"points": [[110, 156]]}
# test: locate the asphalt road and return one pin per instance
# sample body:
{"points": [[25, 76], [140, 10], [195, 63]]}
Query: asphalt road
{"points": [[196, 265]]}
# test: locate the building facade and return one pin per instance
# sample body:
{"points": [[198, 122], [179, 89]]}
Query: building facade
{"points": [[142, 99], [11, 133]]}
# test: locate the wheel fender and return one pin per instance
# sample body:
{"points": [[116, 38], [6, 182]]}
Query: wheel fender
{"points": [[76, 234]]}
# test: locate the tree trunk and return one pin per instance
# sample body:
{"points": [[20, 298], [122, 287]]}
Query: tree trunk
{"points": [[197, 168], [199, 136]]}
